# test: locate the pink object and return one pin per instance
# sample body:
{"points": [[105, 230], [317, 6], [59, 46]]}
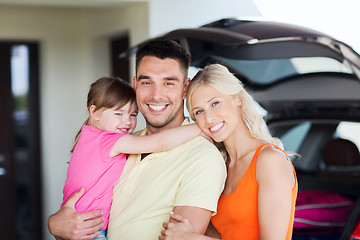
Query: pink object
{"points": [[91, 167], [320, 209]]}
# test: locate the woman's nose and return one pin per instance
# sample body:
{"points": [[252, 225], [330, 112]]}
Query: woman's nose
{"points": [[209, 116]]}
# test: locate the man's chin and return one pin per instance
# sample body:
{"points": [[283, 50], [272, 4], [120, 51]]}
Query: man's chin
{"points": [[155, 124]]}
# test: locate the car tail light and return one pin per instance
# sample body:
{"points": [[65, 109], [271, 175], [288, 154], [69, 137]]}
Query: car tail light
{"points": [[356, 233]]}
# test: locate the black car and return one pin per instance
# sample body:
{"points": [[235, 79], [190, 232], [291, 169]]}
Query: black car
{"points": [[308, 86]]}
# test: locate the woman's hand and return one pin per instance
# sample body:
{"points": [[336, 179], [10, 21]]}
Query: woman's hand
{"points": [[69, 224], [178, 229]]}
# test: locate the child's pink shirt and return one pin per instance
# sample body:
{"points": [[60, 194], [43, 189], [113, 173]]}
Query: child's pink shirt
{"points": [[91, 167]]}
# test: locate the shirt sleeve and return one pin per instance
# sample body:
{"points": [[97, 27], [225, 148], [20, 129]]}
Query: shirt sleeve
{"points": [[107, 141], [204, 180]]}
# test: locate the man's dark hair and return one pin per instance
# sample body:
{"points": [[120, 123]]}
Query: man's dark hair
{"points": [[164, 48]]}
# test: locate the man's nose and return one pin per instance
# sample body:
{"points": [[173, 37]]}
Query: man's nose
{"points": [[158, 92]]}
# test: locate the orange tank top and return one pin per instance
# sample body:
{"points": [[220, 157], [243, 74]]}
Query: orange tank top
{"points": [[237, 213]]}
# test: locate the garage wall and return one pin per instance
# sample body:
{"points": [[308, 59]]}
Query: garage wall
{"points": [[169, 15], [74, 51], [61, 34]]}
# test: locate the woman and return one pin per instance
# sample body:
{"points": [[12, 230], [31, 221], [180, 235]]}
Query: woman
{"points": [[258, 201]]}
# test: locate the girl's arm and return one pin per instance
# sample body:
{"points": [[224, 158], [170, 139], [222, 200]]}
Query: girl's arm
{"points": [[157, 142], [180, 228], [276, 180]]}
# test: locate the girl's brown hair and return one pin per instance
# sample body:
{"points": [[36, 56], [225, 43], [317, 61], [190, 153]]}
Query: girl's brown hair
{"points": [[108, 92]]}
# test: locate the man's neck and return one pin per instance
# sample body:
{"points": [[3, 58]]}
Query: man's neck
{"points": [[175, 123]]}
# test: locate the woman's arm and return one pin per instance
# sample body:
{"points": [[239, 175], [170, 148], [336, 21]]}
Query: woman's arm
{"points": [[158, 142], [180, 228], [69, 224], [275, 177]]}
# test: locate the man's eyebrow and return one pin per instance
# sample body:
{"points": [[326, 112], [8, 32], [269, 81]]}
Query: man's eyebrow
{"points": [[171, 78], [143, 77]]}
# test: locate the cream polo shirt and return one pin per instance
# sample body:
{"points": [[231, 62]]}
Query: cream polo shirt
{"points": [[192, 174]]}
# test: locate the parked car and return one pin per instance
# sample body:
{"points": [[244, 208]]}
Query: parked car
{"points": [[308, 85]]}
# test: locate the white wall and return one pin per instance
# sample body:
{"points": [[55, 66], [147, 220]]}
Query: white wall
{"points": [[74, 51], [61, 35], [172, 14]]}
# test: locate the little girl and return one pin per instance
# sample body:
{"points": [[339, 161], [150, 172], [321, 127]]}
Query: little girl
{"points": [[100, 147]]}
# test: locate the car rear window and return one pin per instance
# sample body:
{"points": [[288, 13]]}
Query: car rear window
{"points": [[294, 138], [269, 71]]}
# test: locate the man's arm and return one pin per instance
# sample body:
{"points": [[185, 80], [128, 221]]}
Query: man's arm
{"points": [[180, 228], [69, 224], [201, 186], [198, 217]]}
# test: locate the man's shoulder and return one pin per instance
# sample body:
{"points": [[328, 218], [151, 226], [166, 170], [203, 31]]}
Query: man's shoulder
{"points": [[199, 148], [200, 143]]}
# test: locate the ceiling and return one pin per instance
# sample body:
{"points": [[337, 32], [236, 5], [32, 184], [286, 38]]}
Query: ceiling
{"points": [[69, 3]]}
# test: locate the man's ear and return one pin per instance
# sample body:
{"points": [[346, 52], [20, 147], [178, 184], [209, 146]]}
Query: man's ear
{"points": [[134, 82], [186, 86]]}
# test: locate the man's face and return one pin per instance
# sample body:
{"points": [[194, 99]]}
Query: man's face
{"points": [[160, 87]]}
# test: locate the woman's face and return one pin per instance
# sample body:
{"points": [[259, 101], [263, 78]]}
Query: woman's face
{"points": [[216, 113]]}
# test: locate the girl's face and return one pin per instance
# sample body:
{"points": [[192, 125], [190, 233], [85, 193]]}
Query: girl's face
{"points": [[122, 120], [216, 113]]}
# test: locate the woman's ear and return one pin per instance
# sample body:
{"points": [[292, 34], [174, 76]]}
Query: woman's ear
{"points": [[238, 100]]}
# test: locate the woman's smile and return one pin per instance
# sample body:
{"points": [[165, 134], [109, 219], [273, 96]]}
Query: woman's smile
{"points": [[216, 127]]}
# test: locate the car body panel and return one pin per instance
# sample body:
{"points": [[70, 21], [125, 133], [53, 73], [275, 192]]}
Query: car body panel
{"points": [[262, 39]]}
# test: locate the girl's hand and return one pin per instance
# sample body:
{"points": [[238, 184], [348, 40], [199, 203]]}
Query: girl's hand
{"points": [[181, 229]]}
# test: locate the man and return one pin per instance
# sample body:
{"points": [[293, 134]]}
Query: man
{"points": [[187, 179]]}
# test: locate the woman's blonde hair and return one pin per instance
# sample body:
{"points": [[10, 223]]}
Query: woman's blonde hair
{"points": [[218, 77]]}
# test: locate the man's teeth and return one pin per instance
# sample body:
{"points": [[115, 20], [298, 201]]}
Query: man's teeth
{"points": [[217, 127], [157, 107]]}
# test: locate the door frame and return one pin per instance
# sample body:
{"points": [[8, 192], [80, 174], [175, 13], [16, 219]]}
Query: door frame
{"points": [[34, 204]]}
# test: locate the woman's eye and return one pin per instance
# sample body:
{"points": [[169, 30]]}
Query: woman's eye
{"points": [[118, 114], [198, 112], [214, 104], [133, 115]]}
